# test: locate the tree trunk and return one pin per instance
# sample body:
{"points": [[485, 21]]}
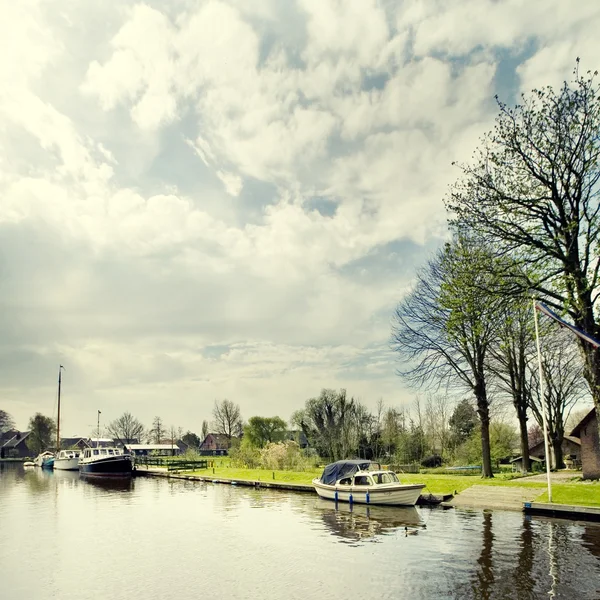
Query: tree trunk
{"points": [[522, 415], [483, 410], [558, 452]]}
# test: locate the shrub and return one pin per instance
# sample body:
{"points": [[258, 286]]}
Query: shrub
{"points": [[283, 455]]}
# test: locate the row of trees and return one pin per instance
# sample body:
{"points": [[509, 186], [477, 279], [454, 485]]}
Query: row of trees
{"points": [[525, 220]]}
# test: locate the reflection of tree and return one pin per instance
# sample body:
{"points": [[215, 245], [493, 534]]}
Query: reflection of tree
{"points": [[523, 581], [482, 586], [590, 539], [360, 522]]}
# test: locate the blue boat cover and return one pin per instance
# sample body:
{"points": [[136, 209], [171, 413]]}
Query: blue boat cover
{"points": [[342, 468]]}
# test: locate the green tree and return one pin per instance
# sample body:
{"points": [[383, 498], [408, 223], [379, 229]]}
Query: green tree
{"points": [[204, 429], [444, 327], [7, 423], [462, 422], [42, 430], [192, 440], [261, 430], [324, 421], [532, 192]]}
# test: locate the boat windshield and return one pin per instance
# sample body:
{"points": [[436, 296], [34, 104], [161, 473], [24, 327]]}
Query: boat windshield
{"points": [[385, 477]]}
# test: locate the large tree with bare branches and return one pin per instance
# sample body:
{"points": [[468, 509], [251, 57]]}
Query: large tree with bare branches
{"points": [[227, 419], [533, 192]]}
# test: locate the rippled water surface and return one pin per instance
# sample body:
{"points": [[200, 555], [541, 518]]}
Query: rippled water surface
{"points": [[65, 538]]}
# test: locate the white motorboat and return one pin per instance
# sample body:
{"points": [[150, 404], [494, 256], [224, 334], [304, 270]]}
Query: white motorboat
{"points": [[355, 481], [67, 460], [44, 460]]}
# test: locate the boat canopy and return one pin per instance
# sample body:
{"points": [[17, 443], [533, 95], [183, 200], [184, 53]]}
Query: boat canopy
{"points": [[343, 468]]}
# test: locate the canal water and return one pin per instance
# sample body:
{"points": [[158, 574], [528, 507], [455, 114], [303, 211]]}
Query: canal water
{"points": [[65, 538]]}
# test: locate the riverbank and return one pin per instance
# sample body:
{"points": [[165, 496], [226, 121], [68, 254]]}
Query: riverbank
{"points": [[468, 490]]}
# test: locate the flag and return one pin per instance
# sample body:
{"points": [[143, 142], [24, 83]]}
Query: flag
{"points": [[585, 336]]}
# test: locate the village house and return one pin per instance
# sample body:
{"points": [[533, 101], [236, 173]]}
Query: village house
{"points": [[587, 432], [15, 446], [215, 444], [571, 448]]}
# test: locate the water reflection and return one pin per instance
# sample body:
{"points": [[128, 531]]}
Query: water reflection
{"points": [[358, 522], [110, 485], [525, 584], [484, 575]]}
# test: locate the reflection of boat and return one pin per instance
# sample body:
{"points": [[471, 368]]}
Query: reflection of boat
{"points": [[105, 462], [359, 521], [44, 460], [28, 464], [354, 481], [67, 460], [111, 484]]}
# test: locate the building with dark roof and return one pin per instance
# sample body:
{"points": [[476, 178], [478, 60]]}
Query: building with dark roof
{"points": [[215, 444], [587, 432], [16, 446]]}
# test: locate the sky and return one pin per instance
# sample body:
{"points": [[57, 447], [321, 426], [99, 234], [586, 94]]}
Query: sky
{"points": [[203, 200]]}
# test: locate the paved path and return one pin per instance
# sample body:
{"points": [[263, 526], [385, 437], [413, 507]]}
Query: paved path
{"points": [[556, 477], [493, 496]]}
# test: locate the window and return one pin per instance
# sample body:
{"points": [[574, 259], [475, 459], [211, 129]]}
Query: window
{"points": [[345, 481], [362, 480]]}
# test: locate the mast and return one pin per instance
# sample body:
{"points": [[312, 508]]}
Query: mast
{"points": [[60, 369], [98, 432]]}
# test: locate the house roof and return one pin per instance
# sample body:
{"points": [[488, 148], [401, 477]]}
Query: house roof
{"points": [[583, 423], [534, 458], [16, 439], [570, 438]]}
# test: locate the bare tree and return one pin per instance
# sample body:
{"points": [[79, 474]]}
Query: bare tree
{"points": [[157, 432], [126, 428], [227, 419], [511, 356], [564, 386]]}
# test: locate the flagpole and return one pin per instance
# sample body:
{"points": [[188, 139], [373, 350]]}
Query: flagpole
{"points": [[546, 447]]}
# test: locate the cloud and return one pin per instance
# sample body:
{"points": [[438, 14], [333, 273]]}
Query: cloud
{"points": [[227, 199]]}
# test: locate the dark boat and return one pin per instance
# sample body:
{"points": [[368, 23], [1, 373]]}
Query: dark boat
{"points": [[105, 462]]}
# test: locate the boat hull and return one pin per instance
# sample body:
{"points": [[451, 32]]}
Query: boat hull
{"points": [[390, 495], [111, 466], [66, 464]]}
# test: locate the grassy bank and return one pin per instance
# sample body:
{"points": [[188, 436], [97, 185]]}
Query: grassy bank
{"points": [[576, 493]]}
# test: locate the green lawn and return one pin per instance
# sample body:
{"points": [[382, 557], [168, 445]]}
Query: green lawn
{"points": [[584, 494]]}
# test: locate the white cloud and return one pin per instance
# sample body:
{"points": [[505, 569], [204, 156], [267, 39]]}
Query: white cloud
{"points": [[258, 176]]}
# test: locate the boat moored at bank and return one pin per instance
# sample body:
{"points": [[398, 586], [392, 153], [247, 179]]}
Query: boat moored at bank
{"points": [[67, 460], [358, 482], [105, 462]]}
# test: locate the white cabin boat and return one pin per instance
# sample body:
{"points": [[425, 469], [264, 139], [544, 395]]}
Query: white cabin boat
{"points": [[44, 460], [67, 460], [355, 481]]}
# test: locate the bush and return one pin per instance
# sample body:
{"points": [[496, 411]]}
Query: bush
{"points": [[245, 456], [284, 455]]}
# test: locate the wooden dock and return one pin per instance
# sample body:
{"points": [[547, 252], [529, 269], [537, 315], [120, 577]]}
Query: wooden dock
{"points": [[562, 511]]}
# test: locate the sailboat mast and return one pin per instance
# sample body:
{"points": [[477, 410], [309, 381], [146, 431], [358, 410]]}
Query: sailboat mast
{"points": [[60, 368]]}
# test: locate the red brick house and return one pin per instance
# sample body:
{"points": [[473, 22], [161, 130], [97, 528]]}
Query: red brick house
{"points": [[587, 432], [215, 444]]}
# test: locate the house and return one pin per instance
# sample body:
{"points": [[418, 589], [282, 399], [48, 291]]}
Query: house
{"points": [[79, 442], [153, 449], [571, 448], [297, 436], [517, 463], [587, 432], [16, 446], [215, 444]]}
